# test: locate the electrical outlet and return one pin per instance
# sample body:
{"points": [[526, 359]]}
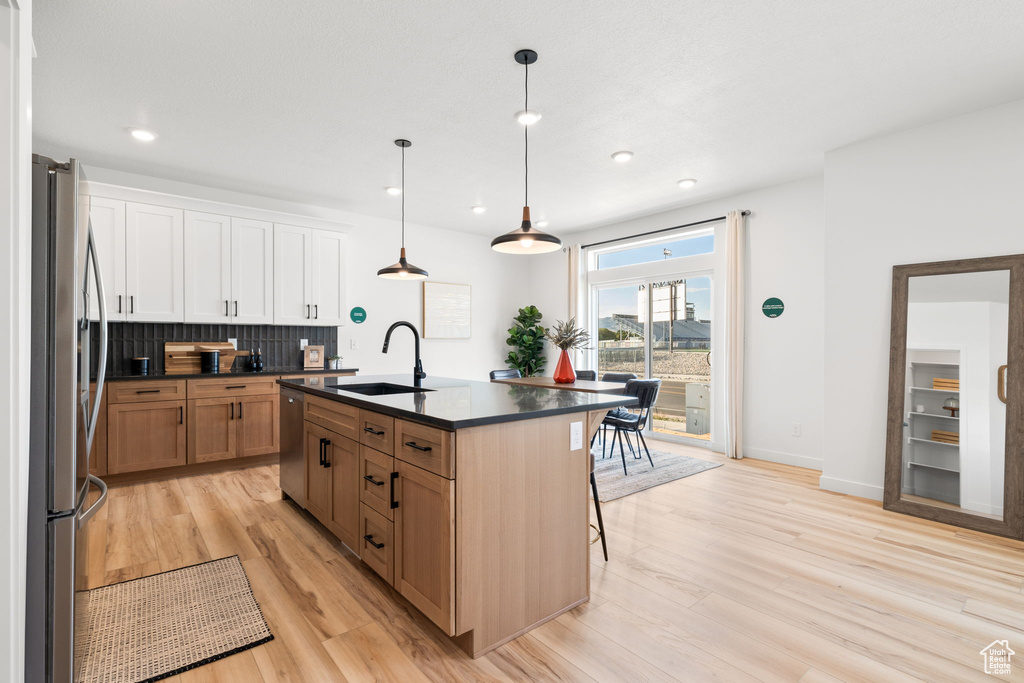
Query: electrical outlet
{"points": [[354, 344], [796, 429], [575, 436], [303, 343], [234, 343]]}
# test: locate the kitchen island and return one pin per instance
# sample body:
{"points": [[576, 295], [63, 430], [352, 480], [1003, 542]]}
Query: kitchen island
{"points": [[469, 498]]}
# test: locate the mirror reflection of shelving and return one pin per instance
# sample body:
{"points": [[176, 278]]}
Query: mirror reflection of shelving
{"points": [[931, 452]]}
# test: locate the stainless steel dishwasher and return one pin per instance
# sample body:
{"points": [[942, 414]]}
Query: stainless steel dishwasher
{"points": [[293, 460]]}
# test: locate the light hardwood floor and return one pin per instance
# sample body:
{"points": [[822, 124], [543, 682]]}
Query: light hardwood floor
{"points": [[741, 573]]}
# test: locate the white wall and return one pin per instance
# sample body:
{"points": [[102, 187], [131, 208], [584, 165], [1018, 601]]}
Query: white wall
{"points": [[948, 190], [15, 287], [783, 355], [372, 244]]}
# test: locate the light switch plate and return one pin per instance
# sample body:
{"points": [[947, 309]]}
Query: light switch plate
{"points": [[354, 344], [303, 343], [796, 429], [233, 342], [575, 436]]}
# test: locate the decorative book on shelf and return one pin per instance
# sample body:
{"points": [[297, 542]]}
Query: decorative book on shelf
{"points": [[945, 384], [945, 437]]}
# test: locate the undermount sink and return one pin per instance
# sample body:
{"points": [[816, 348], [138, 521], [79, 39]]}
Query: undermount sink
{"points": [[379, 389]]}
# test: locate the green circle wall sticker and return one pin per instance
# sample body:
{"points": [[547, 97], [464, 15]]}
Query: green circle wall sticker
{"points": [[358, 315], [773, 307]]}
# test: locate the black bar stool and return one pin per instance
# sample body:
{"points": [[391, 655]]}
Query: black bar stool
{"points": [[511, 373], [597, 505]]}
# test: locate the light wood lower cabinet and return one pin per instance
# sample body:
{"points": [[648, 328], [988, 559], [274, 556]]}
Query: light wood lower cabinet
{"points": [[213, 429], [332, 481], [259, 418], [425, 543], [143, 436], [318, 476], [98, 454]]}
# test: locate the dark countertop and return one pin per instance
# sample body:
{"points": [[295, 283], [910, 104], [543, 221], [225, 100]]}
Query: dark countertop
{"points": [[455, 403], [214, 375]]}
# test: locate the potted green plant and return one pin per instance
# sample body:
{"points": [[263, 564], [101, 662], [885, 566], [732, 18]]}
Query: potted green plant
{"points": [[333, 362], [526, 338], [566, 335]]}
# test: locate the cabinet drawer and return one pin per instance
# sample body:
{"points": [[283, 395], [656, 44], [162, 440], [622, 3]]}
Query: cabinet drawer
{"points": [[377, 431], [376, 483], [145, 390], [374, 531], [338, 417], [236, 386], [427, 447]]}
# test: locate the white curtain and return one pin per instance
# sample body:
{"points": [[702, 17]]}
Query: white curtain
{"points": [[576, 290], [734, 310]]}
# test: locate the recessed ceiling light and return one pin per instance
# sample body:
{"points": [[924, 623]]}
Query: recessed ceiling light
{"points": [[393, 191], [479, 209], [623, 156], [687, 183], [528, 117], [143, 135], [542, 224]]}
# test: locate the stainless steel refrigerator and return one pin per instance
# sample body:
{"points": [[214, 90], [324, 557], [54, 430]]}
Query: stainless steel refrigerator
{"points": [[63, 419]]}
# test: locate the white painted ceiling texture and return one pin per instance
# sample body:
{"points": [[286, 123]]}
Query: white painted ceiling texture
{"points": [[301, 100]]}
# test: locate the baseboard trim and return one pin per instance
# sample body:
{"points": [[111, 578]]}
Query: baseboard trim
{"points": [[852, 488], [126, 478], [783, 458]]}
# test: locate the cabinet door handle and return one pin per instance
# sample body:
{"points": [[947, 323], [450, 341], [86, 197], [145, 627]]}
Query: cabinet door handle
{"points": [[369, 539], [240, 412], [321, 452], [131, 304], [232, 410], [237, 386], [316, 311], [307, 311], [373, 481], [373, 431], [147, 391], [181, 415], [226, 312], [327, 442], [236, 308], [118, 303], [394, 503], [413, 444]]}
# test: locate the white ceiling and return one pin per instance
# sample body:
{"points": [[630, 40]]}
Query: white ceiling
{"points": [[301, 100]]}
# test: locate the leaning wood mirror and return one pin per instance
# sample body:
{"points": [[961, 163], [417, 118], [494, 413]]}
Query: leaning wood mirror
{"points": [[954, 438]]}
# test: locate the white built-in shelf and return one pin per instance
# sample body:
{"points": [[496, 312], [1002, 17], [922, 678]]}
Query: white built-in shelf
{"points": [[932, 467], [940, 391], [914, 363], [937, 443], [941, 417]]}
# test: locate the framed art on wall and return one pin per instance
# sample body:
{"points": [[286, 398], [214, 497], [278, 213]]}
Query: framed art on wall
{"points": [[447, 310]]}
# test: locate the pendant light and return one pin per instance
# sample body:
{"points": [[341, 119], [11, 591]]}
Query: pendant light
{"points": [[403, 270], [526, 239]]}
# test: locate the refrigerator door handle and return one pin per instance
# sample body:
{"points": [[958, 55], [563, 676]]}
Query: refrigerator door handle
{"points": [[101, 369], [86, 514]]}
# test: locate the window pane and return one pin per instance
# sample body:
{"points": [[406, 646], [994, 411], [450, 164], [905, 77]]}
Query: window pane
{"points": [[691, 245], [681, 356], [620, 330]]}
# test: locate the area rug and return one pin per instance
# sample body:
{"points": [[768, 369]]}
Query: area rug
{"points": [[150, 628], [613, 484]]}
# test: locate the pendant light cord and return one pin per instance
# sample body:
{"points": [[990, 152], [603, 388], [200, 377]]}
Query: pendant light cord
{"points": [[403, 197], [526, 140]]}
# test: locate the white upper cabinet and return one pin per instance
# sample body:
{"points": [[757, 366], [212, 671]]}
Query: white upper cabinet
{"points": [[154, 254], [293, 278], [229, 270], [252, 272], [328, 278], [107, 221], [207, 268]]}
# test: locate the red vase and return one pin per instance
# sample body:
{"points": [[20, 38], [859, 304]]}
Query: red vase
{"points": [[564, 374]]}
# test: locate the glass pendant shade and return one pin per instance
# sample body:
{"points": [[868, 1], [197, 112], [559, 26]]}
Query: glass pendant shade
{"points": [[526, 239]]}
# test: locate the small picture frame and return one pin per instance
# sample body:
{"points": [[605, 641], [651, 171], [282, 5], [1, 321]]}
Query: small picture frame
{"points": [[313, 357]]}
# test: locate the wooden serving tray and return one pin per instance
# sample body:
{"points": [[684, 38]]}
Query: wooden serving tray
{"points": [[182, 358]]}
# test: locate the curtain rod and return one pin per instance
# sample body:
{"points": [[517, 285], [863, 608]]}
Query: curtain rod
{"points": [[655, 232]]}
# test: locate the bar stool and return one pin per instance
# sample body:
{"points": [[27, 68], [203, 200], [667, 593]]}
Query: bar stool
{"points": [[597, 505]]}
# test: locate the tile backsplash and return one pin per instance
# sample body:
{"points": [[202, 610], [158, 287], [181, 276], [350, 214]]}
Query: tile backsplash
{"points": [[280, 344]]}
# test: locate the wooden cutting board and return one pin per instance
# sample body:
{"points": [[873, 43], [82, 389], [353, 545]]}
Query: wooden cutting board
{"points": [[182, 358]]}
